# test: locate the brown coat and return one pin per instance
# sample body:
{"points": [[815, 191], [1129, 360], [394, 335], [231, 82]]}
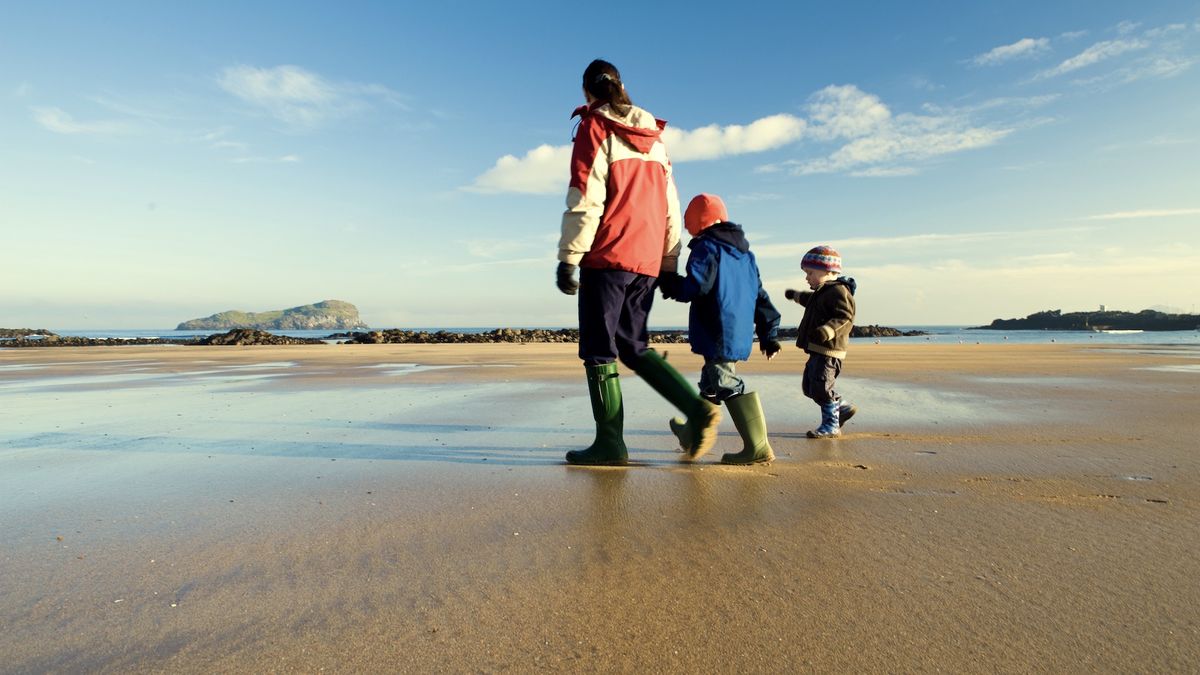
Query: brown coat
{"points": [[828, 318]]}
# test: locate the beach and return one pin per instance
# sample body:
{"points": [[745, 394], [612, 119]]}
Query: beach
{"points": [[406, 508]]}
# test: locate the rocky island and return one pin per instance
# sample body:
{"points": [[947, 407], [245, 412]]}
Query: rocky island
{"points": [[325, 315], [1147, 319]]}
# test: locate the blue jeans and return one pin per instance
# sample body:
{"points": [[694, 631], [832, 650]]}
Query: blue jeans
{"points": [[719, 380]]}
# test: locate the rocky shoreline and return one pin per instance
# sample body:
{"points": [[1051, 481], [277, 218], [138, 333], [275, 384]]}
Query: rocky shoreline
{"points": [[27, 337], [1145, 320]]}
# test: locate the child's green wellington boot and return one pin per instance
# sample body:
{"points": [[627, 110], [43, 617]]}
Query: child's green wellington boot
{"points": [[746, 411], [609, 413], [830, 426], [698, 433]]}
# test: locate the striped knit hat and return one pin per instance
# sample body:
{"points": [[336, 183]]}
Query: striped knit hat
{"points": [[822, 258]]}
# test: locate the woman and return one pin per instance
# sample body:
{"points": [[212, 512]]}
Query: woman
{"points": [[621, 229]]}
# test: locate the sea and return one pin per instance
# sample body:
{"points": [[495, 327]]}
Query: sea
{"points": [[935, 335]]}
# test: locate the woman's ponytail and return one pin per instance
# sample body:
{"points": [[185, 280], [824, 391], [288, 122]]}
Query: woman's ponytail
{"points": [[602, 80]]}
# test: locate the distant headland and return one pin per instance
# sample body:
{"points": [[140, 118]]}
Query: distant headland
{"points": [[325, 315], [1146, 320]]}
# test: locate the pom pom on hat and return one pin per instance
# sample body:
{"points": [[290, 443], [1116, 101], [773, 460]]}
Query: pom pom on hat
{"points": [[822, 258], [702, 212]]}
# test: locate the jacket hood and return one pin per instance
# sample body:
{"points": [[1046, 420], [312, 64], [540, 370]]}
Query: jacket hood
{"points": [[628, 128], [730, 234], [850, 284]]}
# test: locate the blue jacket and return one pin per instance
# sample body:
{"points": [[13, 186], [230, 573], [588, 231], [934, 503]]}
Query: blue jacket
{"points": [[729, 304]]}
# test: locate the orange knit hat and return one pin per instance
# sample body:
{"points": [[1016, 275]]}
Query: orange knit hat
{"points": [[703, 211]]}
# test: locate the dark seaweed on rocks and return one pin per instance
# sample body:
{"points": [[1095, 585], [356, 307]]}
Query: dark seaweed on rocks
{"points": [[248, 337], [240, 336], [500, 335]]}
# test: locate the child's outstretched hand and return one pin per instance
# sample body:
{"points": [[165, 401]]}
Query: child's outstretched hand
{"points": [[791, 294], [770, 348]]}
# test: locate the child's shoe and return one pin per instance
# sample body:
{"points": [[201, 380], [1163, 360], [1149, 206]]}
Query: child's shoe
{"points": [[845, 412], [830, 426]]}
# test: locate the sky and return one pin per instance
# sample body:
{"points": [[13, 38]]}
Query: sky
{"points": [[970, 161]]}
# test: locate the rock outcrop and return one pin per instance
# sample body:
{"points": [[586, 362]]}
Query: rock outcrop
{"points": [[22, 332], [1146, 319], [247, 336], [513, 335], [325, 315], [250, 336]]}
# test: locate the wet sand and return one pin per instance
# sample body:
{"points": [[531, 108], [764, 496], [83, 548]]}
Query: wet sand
{"points": [[1000, 508]]}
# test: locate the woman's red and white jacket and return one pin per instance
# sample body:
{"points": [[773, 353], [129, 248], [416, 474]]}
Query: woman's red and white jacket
{"points": [[622, 206]]}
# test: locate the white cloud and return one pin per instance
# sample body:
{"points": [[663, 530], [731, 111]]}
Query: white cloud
{"points": [[298, 97], [879, 143], [845, 111], [61, 122], [543, 170], [713, 141], [876, 143], [1160, 66], [1096, 53], [1127, 27], [1023, 48], [1073, 35], [1020, 103], [885, 172], [1155, 33], [1144, 213], [1159, 52]]}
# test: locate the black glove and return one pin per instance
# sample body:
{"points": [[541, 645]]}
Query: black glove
{"points": [[670, 283], [565, 278], [790, 294], [769, 348]]}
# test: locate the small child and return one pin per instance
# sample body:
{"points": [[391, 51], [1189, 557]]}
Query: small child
{"points": [[824, 334], [728, 306]]}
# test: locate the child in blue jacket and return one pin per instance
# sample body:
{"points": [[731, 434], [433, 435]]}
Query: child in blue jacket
{"points": [[729, 306]]}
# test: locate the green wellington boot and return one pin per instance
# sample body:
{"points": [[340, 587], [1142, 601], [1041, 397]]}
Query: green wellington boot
{"points": [[609, 413], [698, 433], [747, 414]]}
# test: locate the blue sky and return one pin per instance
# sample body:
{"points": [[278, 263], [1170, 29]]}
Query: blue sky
{"points": [[163, 161]]}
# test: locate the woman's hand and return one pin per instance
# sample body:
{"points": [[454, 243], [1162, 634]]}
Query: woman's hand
{"points": [[565, 278]]}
